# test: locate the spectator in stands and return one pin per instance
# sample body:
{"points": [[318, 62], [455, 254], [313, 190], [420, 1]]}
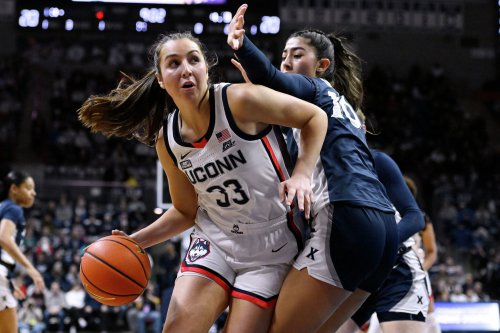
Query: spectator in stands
{"points": [[31, 318], [75, 304], [145, 312], [55, 303]]}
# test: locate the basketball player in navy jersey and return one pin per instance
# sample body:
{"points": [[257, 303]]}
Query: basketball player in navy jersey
{"points": [[18, 192], [354, 237], [427, 249], [402, 301], [227, 172]]}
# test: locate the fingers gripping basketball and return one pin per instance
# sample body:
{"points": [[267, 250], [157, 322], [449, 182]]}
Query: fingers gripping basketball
{"points": [[115, 270]]}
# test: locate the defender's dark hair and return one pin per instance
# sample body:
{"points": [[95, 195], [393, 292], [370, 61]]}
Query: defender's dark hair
{"points": [[344, 72], [136, 108], [12, 178]]}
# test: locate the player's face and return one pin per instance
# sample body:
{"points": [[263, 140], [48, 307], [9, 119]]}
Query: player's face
{"points": [[24, 194], [299, 57], [184, 71]]}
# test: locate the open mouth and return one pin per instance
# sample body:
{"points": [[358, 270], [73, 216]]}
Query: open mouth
{"points": [[188, 85]]}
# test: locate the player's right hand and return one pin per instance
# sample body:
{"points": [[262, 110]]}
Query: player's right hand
{"points": [[298, 187], [236, 32]]}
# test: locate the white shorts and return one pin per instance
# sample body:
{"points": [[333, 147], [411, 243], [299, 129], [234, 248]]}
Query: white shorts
{"points": [[7, 300], [249, 261], [417, 298]]}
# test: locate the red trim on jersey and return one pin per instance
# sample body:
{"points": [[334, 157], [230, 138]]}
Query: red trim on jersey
{"points": [[200, 144], [254, 299], [291, 224], [270, 151], [206, 273]]}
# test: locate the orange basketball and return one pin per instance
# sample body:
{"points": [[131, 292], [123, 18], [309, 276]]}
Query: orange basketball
{"points": [[115, 270]]}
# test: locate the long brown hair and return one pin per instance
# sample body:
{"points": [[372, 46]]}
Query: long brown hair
{"points": [[136, 108], [344, 72]]}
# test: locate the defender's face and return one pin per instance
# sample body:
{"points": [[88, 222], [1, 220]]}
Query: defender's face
{"points": [[299, 57]]}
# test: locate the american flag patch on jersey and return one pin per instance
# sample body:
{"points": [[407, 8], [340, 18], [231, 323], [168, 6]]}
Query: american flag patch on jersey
{"points": [[223, 135]]}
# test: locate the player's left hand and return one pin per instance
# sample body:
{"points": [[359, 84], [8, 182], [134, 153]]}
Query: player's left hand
{"points": [[18, 293]]}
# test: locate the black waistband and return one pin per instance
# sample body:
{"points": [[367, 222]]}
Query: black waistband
{"points": [[10, 267]]}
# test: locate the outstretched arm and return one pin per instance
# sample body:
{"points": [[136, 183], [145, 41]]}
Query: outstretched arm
{"points": [[257, 66], [181, 215]]}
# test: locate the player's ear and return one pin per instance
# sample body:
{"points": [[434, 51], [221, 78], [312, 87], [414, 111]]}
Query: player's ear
{"points": [[322, 65], [158, 78]]}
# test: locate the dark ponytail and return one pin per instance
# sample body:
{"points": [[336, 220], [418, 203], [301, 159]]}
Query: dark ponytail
{"points": [[344, 72], [347, 74], [12, 178]]}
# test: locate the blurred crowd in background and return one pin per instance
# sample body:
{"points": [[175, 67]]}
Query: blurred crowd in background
{"points": [[439, 136]]}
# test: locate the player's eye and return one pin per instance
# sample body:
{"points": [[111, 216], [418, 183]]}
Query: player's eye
{"points": [[194, 60], [172, 63]]}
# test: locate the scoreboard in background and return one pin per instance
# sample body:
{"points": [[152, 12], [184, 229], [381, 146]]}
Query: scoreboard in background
{"points": [[139, 17]]}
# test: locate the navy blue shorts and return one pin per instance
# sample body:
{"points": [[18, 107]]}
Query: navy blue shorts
{"points": [[350, 247], [403, 295]]}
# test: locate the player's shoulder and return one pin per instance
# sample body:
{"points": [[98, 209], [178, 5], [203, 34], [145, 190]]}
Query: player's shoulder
{"points": [[11, 208], [322, 85]]}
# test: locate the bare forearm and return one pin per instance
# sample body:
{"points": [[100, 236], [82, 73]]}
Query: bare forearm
{"points": [[15, 252], [170, 224], [312, 137], [430, 259]]}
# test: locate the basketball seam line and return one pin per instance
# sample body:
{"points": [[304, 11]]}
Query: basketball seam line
{"points": [[117, 270]]}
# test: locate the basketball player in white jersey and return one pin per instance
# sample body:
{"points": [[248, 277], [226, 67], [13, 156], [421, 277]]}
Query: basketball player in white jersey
{"points": [[226, 170]]}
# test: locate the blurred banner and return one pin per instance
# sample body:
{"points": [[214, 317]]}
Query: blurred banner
{"points": [[466, 317]]}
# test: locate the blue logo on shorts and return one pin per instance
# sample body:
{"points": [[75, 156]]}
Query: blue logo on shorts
{"points": [[199, 249]]}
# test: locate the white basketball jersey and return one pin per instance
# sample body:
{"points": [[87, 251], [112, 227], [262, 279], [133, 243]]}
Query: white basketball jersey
{"points": [[236, 175]]}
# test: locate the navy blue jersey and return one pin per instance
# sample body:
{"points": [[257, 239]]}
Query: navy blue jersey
{"points": [[13, 212], [346, 163], [412, 219]]}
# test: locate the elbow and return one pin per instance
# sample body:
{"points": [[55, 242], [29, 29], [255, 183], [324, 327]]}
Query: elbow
{"points": [[187, 214], [419, 219], [415, 216], [421, 223]]}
